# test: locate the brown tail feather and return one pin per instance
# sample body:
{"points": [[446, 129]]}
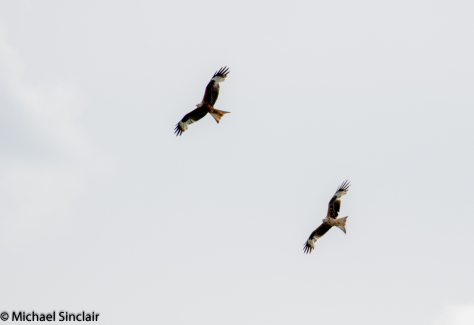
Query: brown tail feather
{"points": [[342, 224], [217, 114]]}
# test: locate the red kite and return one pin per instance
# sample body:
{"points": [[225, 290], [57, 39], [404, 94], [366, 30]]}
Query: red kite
{"points": [[207, 104], [331, 218]]}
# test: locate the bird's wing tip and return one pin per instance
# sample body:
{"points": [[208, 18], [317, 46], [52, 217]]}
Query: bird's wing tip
{"points": [[222, 72]]}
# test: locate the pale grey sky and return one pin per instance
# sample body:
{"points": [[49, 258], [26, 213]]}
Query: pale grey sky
{"points": [[103, 208]]}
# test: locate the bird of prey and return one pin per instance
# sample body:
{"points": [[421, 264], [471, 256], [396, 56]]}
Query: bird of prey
{"points": [[207, 104], [331, 218]]}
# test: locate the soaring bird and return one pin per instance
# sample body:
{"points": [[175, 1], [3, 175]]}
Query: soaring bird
{"points": [[331, 218], [207, 104]]}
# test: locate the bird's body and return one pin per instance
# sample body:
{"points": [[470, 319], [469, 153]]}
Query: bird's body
{"points": [[340, 223], [331, 219], [207, 103]]}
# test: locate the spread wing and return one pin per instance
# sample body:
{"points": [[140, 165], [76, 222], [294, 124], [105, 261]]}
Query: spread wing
{"points": [[190, 118], [212, 89], [335, 203], [319, 232]]}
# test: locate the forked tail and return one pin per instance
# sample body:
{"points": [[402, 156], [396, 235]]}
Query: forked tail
{"points": [[342, 223], [217, 114]]}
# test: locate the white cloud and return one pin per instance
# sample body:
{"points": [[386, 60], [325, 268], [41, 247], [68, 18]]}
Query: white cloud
{"points": [[53, 109], [35, 196], [36, 200], [456, 315]]}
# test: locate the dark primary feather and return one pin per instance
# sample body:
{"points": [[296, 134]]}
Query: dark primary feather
{"points": [[344, 186], [223, 72], [307, 249], [335, 203], [333, 209], [212, 89], [319, 232], [190, 118]]}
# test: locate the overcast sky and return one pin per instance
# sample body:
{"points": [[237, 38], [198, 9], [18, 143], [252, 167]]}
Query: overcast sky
{"points": [[103, 208]]}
